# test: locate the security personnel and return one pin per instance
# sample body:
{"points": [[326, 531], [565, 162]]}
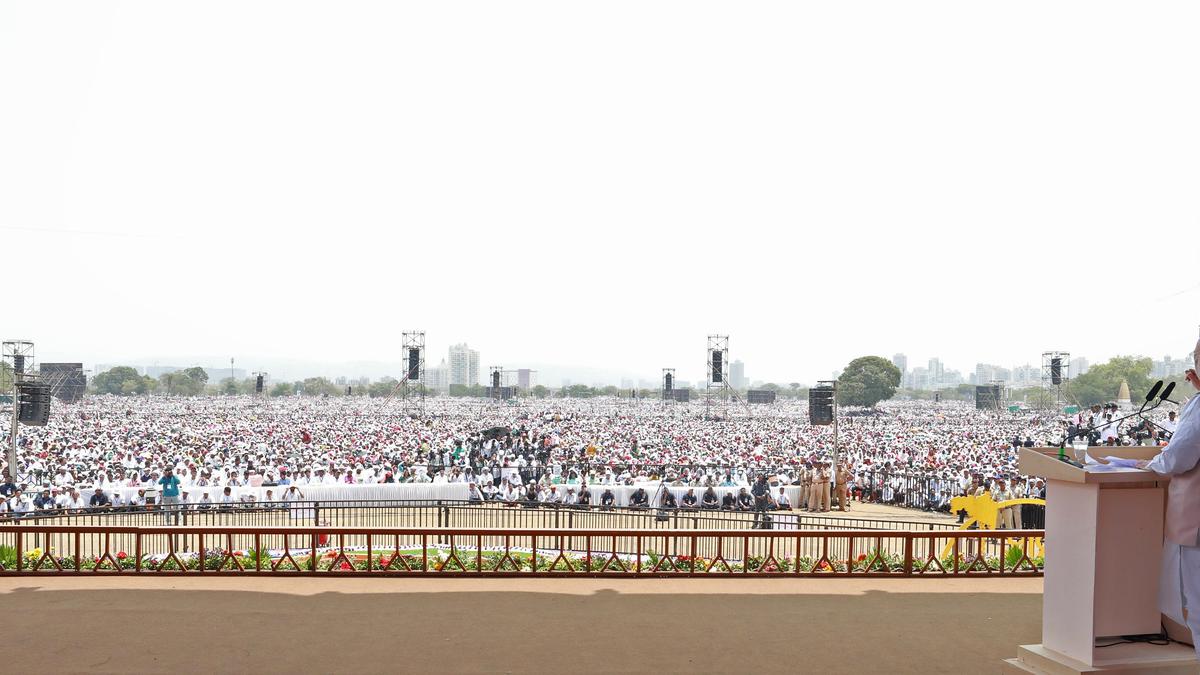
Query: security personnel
{"points": [[841, 478], [1000, 493], [823, 476]]}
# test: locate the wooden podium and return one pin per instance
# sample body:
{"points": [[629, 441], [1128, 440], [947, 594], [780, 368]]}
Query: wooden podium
{"points": [[1104, 543]]}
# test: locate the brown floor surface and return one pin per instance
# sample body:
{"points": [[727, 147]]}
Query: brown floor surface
{"points": [[517, 625]]}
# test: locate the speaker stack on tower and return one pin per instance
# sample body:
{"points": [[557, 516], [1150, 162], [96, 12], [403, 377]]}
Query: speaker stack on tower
{"points": [[33, 403], [820, 405]]}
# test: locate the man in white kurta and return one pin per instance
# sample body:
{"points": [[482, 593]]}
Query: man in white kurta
{"points": [[1181, 461]]}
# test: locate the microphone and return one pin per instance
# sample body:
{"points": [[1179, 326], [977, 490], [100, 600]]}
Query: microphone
{"points": [[1166, 395], [1154, 391]]}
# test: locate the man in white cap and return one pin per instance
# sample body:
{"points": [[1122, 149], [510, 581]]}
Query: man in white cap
{"points": [[1181, 461]]}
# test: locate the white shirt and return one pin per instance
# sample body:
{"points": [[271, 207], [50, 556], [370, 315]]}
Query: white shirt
{"points": [[1183, 452]]}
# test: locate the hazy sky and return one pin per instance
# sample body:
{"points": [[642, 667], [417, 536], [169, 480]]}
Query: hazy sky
{"points": [[602, 183]]}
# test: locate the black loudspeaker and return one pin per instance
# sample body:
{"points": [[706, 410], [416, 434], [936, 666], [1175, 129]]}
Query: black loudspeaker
{"points": [[937, 397], [669, 382], [18, 364], [987, 397], [258, 384], [495, 379], [414, 363], [716, 366], [820, 405], [33, 404], [1056, 370], [349, 391], [760, 396]]}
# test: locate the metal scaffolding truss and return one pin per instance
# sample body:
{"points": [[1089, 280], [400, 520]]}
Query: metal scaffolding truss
{"points": [[1056, 365], [18, 356], [412, 386], [716, 390], [668, 385]]}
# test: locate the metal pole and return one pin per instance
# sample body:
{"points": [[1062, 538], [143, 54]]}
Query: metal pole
{"points": [[835, 428], [12, 437]]}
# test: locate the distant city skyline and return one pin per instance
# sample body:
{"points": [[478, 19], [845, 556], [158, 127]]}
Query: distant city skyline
{"points": [[934, 374]]}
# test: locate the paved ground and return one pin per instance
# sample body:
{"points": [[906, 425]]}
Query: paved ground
{"points": [[517, 625]]}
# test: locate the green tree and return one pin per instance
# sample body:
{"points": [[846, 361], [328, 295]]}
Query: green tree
{"points": [[198, 374], [228, 386], [539, 391], [181, 383], [1101, 382], [1038, 397], [114, 381], [320, 386], [282, 389], [461, 390], [579, 391], [868, 380], [5, 378], [383, 387]]}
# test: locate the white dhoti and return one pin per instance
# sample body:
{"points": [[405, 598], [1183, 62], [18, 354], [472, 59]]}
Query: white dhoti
{"points": [[1180, 587]]}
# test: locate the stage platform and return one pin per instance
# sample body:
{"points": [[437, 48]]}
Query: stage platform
{"points": [[272, 625]]}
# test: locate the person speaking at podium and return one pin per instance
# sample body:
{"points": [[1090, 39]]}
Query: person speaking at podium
{"points": [[1181, 461]]}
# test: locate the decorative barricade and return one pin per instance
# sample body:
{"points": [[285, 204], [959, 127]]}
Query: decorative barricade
{"points": [[359, 551]]}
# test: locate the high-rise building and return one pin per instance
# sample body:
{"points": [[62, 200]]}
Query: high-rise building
{"points": [[901, 362], [986, 373], [437, 377], [1170, 367], [737, 375], [918, 378], [1026, 376], [464, 365], [935, 370], [525, 378], [1079, 366]]}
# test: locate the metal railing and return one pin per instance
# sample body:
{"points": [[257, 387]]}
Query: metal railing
{"points": [[449, 513], [345, 551]]}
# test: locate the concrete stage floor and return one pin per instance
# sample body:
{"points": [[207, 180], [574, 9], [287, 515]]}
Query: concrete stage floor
{"points": [[517, 625]]}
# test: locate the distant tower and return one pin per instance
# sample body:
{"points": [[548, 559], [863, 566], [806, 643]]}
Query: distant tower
{"points": [[1123, 400]]}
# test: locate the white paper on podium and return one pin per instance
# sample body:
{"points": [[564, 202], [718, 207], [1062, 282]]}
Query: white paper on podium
{"points": [[1115, 464], [1121, 461]]}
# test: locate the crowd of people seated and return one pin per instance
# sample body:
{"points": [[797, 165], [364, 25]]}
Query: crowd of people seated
{"points": [[544, 451]]}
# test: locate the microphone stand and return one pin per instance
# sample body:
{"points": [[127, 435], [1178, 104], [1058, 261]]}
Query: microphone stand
{"points": [[1062, 457]]}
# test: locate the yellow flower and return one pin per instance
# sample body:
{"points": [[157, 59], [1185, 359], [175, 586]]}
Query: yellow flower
{"points": [[34, 554]]}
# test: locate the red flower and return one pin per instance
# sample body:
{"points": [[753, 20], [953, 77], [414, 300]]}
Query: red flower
{"points": [[121, 555], [384, 561], [344, 566], [862, 557]]}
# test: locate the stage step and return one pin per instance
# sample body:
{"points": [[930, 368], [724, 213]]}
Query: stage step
{"points": [[1170, 659]]}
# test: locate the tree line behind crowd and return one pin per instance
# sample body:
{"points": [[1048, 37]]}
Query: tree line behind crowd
{"points": [[864, 382]]}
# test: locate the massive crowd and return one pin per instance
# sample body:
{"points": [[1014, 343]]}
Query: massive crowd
{"points": [[911, 453]]}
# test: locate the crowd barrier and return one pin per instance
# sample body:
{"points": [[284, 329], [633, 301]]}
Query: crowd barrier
{"points": [[899, 489], [454, 513], [347, 551]]}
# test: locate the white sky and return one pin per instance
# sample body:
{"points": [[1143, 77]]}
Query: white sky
{"points": [[602, 183]]}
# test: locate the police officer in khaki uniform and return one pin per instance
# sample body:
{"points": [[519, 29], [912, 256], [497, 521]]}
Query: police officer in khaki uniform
{"points": [[821, 487], [841, 478], [1000, 493]]}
